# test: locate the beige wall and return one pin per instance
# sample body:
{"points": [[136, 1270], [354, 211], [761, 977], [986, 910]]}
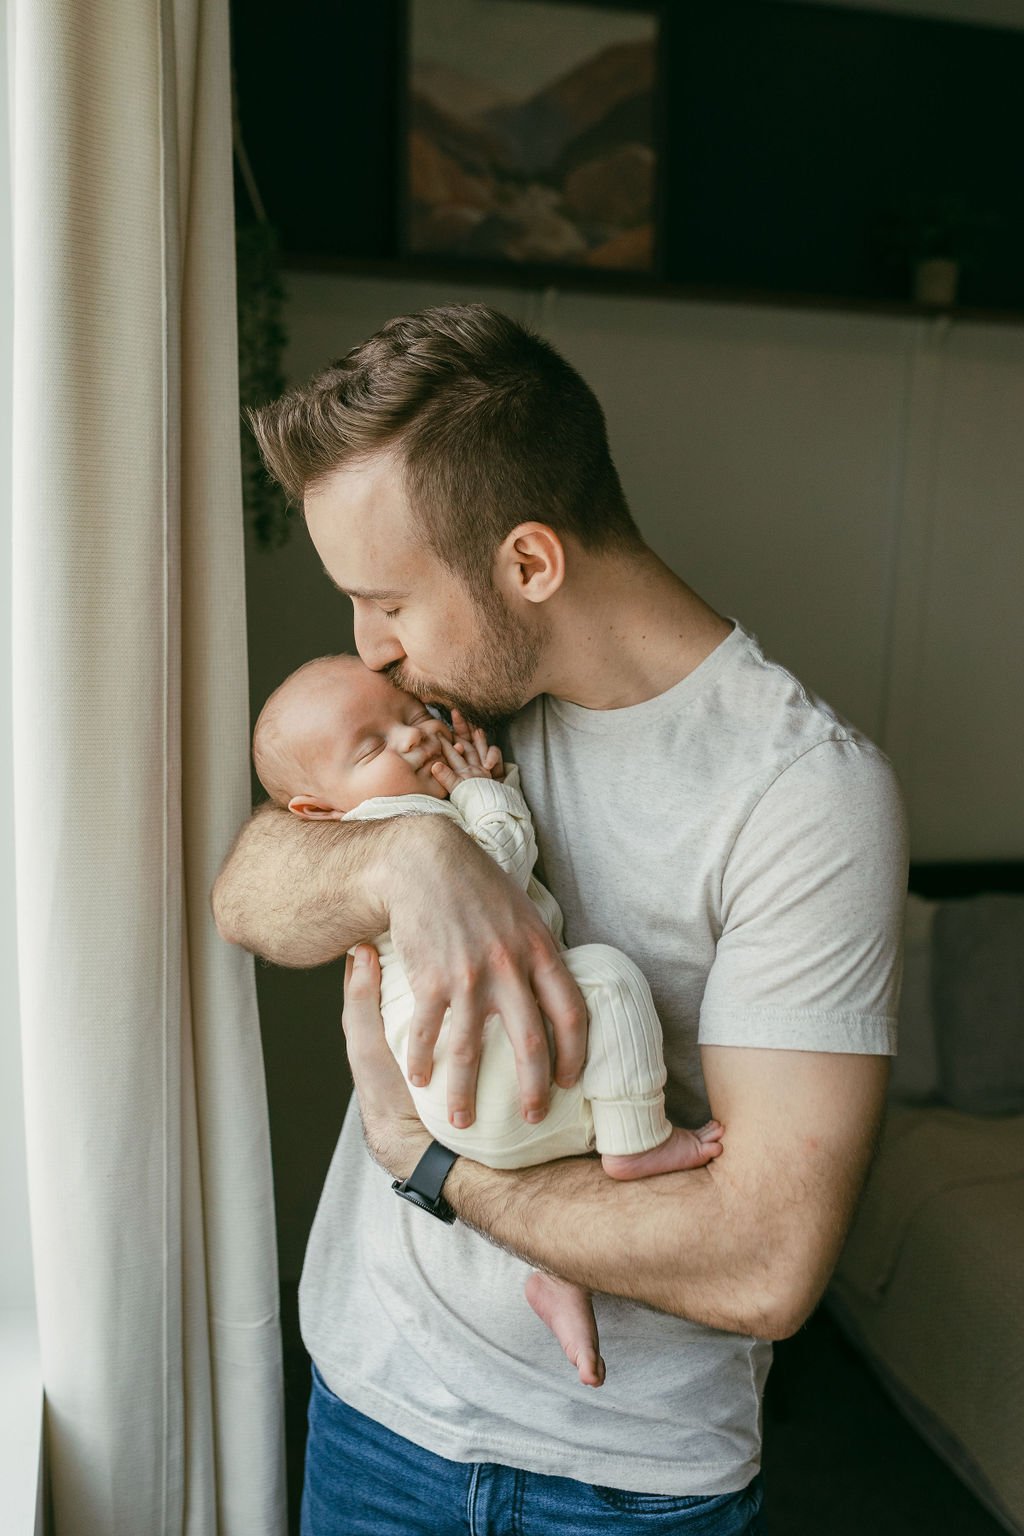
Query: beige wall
{"points": [[849, 486]]}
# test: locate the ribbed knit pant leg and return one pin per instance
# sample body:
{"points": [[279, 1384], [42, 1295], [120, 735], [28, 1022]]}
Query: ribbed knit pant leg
{"points": [[624, 1076]]}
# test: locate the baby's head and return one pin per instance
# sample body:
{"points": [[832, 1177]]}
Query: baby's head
{"points": [[334, 734]]}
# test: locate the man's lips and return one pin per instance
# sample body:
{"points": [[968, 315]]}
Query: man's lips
{"points": [[428, 694]]}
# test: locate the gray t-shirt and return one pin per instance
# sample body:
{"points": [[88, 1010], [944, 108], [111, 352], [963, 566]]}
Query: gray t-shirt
{"points": [[747, 847]]}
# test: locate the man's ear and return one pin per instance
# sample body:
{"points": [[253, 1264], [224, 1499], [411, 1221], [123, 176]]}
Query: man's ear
{"points": [[531, 562], [312, 809]]}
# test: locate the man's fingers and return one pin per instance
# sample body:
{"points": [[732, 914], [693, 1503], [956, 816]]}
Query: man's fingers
{"points": [[561, 1002], [522, 1016], [360, 1014], [465, 1036], [385, 1103], [365, 1040], [362, 989], [427, 1019], [524, 1026]]}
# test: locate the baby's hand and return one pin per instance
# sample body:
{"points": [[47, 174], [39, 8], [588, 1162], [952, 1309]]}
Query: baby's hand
{"points": [[468, 757], [467, 736]]}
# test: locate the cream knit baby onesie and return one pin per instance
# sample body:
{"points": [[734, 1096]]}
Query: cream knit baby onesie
{"points": [[618, 1105]]}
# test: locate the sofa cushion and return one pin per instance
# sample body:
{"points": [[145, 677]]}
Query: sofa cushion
{"points": [[915, 1068], [978, 1002]]}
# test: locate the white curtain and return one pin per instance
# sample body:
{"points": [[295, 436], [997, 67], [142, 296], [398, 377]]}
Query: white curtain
{"points": [[149, 1160]]}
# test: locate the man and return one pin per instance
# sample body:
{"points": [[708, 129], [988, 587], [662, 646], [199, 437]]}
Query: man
{"points": [[694, 806]]}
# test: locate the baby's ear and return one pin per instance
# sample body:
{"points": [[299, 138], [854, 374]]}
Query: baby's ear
{"points": [[312, 808]]}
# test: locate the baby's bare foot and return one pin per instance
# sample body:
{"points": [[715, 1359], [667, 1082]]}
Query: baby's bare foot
{"points": [[569, 1313], [683, 1149]]}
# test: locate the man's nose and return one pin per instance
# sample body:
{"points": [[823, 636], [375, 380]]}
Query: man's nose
{"points": [[377, 647]]}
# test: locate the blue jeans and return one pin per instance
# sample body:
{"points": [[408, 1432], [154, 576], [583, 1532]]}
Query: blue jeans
{"points": [[364, 1480]]}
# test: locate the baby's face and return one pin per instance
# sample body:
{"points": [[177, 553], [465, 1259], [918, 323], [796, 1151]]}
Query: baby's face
{"points": [[368, 738]]}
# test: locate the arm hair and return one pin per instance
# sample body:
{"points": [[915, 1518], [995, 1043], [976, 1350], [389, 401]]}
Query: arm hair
{"points": [[300, 892]]}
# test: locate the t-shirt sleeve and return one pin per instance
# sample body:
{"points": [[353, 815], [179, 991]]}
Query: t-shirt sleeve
{"points": [[810, 956]]}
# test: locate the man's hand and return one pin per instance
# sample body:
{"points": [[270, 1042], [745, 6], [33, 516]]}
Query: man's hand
{"points": [[471, 940], [394, 1133], [302, 893]]}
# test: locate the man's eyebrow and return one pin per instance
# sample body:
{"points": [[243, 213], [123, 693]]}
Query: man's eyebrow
{"points": [[369, 592]]}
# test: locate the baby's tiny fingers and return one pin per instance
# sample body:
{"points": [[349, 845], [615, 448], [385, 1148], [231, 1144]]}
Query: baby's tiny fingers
{"points": [[453, 754], [445, 776], [460, 725], [471, 754], [463, 760]]}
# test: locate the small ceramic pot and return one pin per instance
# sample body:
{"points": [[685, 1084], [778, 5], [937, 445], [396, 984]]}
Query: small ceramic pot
{"points": [[935, 281]]}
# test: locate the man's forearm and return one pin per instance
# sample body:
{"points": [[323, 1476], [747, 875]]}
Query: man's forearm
{"points": [[678, 1242], [300, 893]]}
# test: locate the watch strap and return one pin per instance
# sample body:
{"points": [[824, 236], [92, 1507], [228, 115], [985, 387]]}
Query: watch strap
{"points": [[423, 1186]]}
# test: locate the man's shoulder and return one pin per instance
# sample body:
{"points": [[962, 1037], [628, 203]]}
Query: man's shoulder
{"points": [[811, 775], [775, 715], [751, 704]]}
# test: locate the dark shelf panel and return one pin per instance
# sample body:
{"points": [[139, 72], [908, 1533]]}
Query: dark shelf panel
{"points": [[808, 154], [628, 285]]}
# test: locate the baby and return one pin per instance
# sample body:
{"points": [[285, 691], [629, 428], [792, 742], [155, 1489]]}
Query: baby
{"points": [[338, 741]]}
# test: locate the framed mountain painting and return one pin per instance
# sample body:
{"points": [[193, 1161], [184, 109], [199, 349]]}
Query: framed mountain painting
{"points": [[530, 134]]}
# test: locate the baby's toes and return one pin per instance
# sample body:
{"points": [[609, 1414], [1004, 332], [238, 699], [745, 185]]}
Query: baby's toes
{"points": [[704, 1151]]}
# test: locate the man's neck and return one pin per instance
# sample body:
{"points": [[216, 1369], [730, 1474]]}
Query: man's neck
{"points": [[625, 630]]}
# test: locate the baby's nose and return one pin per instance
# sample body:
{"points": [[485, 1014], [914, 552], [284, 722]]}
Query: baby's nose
{"points": [[409, 736]]}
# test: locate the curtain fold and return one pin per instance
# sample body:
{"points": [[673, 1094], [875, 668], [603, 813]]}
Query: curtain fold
{"points": [[148, 1143]]}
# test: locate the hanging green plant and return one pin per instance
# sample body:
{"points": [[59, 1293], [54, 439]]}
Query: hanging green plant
{"points": [[261, 341]]}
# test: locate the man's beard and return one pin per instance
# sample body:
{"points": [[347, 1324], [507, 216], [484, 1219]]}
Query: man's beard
{"points": [[498, 681]]}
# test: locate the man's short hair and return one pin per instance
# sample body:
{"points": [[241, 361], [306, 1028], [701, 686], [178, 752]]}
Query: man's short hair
{"points": [[491, 425]]}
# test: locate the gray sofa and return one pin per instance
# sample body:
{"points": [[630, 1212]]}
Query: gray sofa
{"points": [[930, 1285]]}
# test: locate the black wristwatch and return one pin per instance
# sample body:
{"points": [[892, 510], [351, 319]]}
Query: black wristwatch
{"points": [[423, 1186]]}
